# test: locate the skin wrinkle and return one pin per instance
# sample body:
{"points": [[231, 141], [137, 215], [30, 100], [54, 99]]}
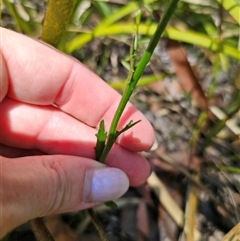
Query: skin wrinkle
{"points": [[7, 38], [43, 69], [54, 123], [64, 105], [41, 92], [42, 130], [62, 181], [35, 173], [14, 180], [108, 106], [103, 114], [26, 68], [35, 140], [13, 57], [48, 125], [51, 70], [58, 177], [35, 185], [53, 182], [65, 93]]}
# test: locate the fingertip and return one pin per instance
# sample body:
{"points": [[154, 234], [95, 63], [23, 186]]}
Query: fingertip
{"points": [[140, 137], [104, 184], [133, 164], [141, 175]]}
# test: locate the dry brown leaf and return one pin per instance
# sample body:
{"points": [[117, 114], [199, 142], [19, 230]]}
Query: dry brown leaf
{"points": [[60, 230], [233, 234], [191, 209], [168, 202], [187, 78]]}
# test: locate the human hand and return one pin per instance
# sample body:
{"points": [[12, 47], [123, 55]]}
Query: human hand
{"points": [[64, 176]]}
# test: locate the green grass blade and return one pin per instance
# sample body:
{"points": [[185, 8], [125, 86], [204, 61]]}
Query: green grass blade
{"points": [[121, 13], [145, 80], [233, 7], [229, 169], [115, 16], [186, 36], [202, 40], [103, 8], [21, 25]]}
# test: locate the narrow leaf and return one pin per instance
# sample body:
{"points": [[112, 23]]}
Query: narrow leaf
{"points": [[20, 25], [128, 126], [232, 7], [101, 139], [111, 204], [186, 36], [145, 80]]}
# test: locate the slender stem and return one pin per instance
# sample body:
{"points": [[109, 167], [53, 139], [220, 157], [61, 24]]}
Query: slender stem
{"points": [[135, 76], [98, 225], [40, 230]]}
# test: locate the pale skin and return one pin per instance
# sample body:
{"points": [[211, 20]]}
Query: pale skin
{"points": [[47, 153]]}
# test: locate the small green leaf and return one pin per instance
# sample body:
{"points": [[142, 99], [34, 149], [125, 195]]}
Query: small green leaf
{"points": [[111, 204], [101, 139], [5, 238], [128, 126], [125, 64], [229, 169], [138, 16]]}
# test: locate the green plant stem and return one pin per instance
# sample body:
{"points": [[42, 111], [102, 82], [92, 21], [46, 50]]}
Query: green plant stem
{"points": [[135, 76]]}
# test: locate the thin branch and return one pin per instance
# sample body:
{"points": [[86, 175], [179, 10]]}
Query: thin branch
{"points": [[40, 230]]}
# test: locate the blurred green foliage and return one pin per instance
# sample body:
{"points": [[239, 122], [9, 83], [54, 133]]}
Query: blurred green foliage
{"points": [[194, 22]]}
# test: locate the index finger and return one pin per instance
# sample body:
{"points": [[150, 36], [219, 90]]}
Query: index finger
{"points": [[40, 75]]}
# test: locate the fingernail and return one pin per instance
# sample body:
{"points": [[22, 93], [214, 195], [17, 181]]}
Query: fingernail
{"points": [[154, 146], [104, 184]]}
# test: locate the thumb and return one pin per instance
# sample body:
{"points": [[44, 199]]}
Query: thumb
{"points": [[37, 186]]}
